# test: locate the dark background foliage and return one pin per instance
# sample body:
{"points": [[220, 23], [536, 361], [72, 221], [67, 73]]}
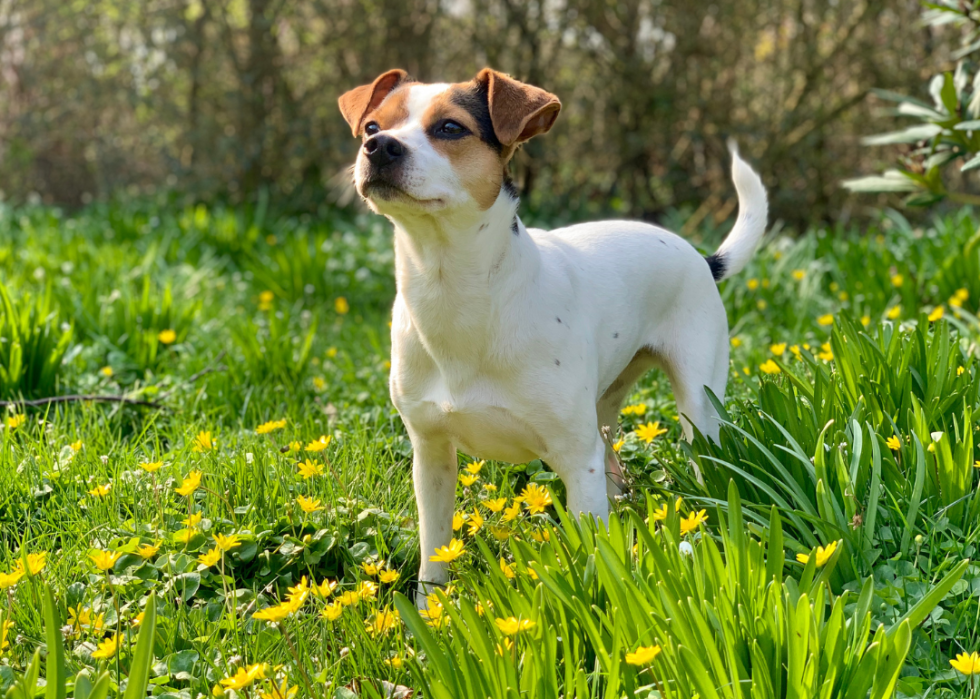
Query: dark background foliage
{"points": [[228, 98]]}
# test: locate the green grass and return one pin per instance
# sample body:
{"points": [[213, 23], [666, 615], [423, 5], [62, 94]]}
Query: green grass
{"points": [[259, 335]]}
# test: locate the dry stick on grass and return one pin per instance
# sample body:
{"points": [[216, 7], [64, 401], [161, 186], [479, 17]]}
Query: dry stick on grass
{"points": [[126, 400]]}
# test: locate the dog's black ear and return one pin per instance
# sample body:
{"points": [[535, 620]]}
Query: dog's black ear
{"points": [[519, 112], [359, 102]]}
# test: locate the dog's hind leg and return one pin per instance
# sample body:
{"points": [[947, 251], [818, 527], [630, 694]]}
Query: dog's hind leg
{"points": [[701, 362]]}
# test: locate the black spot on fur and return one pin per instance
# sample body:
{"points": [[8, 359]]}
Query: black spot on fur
{"points": [[558, 319], [717, 266], [510, 188], [474, 100], [557, 363], [514, 227], [615, 336]]}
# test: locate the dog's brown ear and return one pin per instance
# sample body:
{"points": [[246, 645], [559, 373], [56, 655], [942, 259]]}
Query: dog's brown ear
{"points": [[359, 102], [518, 111]]}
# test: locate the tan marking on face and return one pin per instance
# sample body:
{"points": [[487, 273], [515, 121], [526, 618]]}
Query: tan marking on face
{"points": [[479, 168], [392, 111]]}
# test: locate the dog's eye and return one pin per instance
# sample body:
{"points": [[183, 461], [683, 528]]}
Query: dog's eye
{"points": [[371, 128], [451, 128]]}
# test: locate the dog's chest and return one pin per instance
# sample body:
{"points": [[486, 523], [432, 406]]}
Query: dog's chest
{"points": [[480, 418]]}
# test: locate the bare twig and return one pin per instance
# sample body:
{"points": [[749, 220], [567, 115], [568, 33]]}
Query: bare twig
{"points": [[76, 398], [209, 369], [125, 400]]}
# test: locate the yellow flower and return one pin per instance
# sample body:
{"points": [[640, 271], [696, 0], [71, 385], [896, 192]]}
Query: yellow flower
{"points": [[795, 349], [541, 535], [843, 296], [507, 570], [308, 469], [79, 618], [15, 421], [826, 319], [495, 505], [637, 409], [962, 295], [191, 482], [10, 579], [137, 620], [341, 306], [308, 505], [490, 487], [348, 598], [618, 444], [395, 661], [4, 628], [897, 280], [203, 442], [769, 367], [752, 284], [535, 498], [503, 533], [511, 626], [35, 563], [106, 371], [736, 341], [643, 655], [367, 589], [893, 443], [976, 464], [388, 576], [147, 551], [318, 444], [512, 512], [865, 320], [245, 677], [100, 491], [151, 466], [475, 522], [936, 314], [332, 611], [458, 519], [295, 446], [319, 383], [76, 446], [331, 352], [274, 614], [468, 479], [370, 568], [967, 664], [650, 431], [266, 297], [282, 691], [798, 274], [823, 554], [167, 337], [761, 304], [960, 370], [324, 589], [504, 648], [104, 560], [227, 543], [475, 467], [381, 623], [210, 558], [108, 648], [693, 520], [779, 349], [183, 536], [192, 520], [448, 554], [271, 426], [893, 312]]}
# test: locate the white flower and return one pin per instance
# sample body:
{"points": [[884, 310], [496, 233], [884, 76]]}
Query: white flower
{"points": [[249, 457], [105, 459], [936, 436], [686, 548]]}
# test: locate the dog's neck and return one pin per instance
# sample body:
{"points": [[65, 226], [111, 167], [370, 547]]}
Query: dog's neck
{"points": [[454, 273]]}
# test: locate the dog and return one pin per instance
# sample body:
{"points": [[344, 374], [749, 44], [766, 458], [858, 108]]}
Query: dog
{"points": [[510, 343]]}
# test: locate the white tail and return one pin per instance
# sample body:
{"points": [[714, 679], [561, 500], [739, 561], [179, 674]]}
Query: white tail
{"points": [[753, 212]]}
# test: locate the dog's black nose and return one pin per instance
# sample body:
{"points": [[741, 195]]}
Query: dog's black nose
{"points": [[383, 150]]}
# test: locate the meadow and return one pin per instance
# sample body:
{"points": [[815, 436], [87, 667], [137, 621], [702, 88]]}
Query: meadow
{"points": [[229, 451]]}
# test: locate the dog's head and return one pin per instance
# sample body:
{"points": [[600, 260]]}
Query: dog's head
{"points": [[442, 147]]}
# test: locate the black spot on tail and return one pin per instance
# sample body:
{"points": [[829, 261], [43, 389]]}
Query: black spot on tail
{"points": [[511, 188], [717, 265]]}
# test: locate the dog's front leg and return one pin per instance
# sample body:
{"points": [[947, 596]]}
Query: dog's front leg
{"points": [[434, 473], [582, 470]]}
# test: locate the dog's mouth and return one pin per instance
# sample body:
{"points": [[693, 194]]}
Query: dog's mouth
{"points": [[383, 189]]}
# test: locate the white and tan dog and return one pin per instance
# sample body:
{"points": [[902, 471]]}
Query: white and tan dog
{"points": [[516, 344]]}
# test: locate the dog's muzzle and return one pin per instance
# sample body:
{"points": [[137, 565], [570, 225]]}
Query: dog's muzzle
{"points": [[383, 151]]}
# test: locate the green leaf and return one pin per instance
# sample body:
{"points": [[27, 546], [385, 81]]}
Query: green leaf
{"points": [[139, 672], [57, 673]]}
